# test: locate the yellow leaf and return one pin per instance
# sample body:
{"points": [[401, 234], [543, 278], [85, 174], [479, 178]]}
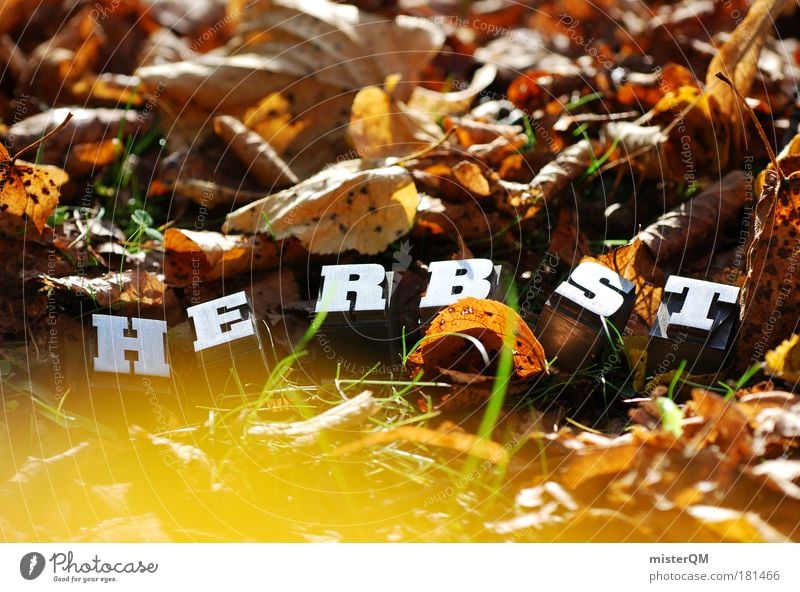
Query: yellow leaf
{"points": [[784, 361]]}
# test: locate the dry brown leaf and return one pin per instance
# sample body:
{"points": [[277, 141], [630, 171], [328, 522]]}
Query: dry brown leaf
{"points": [[466, 443], [784, 361], [28, 195], [255, 153], [310, 56], [464, 221], [382, 126], [342, 418], [643, 91], [646, 147], [726, 424], [567, 242], [192, 256], [458, 102], [552, 180], [470, 176], [738, 60], [112, 289], [342, 207], [204, 22], [66, 68], [83, 159], [769, 307], [698, 223], [87, 126], [710, 133]]}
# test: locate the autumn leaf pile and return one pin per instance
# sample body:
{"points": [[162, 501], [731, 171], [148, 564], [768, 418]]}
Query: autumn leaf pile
{"points": [[159, 154]]}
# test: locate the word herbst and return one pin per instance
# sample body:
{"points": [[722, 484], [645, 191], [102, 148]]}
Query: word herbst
{"points": [[695, 321]]}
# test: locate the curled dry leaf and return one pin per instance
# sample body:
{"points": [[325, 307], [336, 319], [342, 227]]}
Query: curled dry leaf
{"points": [[205, 22], [710, 133], [552, 180], [382, 126], [784, 361], [112, 289], [87, 126], [343, 417], [470, 176], [706, 217], [255, 153], [769, 306], [467, 443], [489, 322], [342, 207], [28, 195], [738, 59], [457, 102], [776, 430], [192, 256]]}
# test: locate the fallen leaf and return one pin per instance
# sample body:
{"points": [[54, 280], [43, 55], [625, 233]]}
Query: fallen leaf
{"points": [[66, 68], [599, 461], [28, 195], [768, 308], [726, 425], [784, 361], [342, 207], [343, 417], [255, 153], [111, 289], [738, 59], [700, 223], [567, 242], [192, 256], [204, 22], [553, 179], [458, 102], [487, 321], [311, 56], [382, 126], [710, 133], [466, 443], [87, 126], [470, 176]]}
